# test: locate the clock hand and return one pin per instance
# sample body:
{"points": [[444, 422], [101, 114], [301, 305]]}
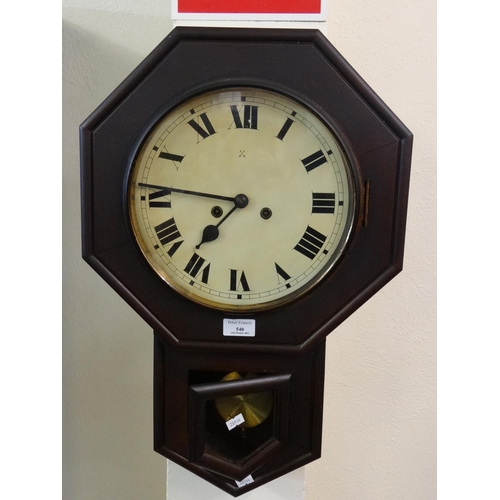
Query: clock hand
{"points": [[185, 191], [211, 232]]}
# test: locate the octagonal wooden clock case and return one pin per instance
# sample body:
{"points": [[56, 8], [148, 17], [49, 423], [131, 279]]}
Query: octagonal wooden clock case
{"points": [[245, 191]]}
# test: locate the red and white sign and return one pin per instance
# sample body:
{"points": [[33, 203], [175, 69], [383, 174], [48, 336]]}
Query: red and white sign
{"points": [[282, 10]]}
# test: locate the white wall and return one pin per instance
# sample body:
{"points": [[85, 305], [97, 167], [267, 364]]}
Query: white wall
{"points": [[108, 350], [379, 438]]}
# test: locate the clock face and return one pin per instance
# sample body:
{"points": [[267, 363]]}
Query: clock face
{"points": [[241, 199]]}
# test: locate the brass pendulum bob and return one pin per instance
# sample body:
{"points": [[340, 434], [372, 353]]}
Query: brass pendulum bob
{"points": [[255, 407]]}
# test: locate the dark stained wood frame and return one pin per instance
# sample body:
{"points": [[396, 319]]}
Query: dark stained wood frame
{"points": [[200, 454], [303, 65], [300, 417]]}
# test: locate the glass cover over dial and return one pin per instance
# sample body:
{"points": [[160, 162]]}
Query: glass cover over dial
{"points": [[241, 199]]}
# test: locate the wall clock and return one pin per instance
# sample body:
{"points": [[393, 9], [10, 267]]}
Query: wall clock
{"points": [[244, 191]]}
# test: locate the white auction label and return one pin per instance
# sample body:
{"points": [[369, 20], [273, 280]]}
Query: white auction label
{"points": [[239, 328], [243, 482], [234, 422]]}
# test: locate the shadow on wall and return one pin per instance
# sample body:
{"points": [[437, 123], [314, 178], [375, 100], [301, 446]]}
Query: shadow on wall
{"points": [[107, 349]]}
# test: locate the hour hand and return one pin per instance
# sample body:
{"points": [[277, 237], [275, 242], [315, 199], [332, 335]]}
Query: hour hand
{"points": [[211, 232]]}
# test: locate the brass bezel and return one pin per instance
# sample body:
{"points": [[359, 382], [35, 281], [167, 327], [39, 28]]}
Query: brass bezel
{"points": [[270, 304]]}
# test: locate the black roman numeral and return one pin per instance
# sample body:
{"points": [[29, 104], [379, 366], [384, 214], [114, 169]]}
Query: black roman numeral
{"points": [[283, 274], [311, 243], [323, 203], [152, 197], [314, 161], [165, 155], [196, 265], [250, 114], [203, 132], [285, 129], [238, 281], [167, 233]]}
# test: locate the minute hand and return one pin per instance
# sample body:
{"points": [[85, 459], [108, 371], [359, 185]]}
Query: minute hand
{"points": [[185, 191]]}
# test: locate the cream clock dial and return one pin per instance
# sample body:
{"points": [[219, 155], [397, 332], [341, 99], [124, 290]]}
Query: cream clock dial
{"points": [[241, 199]]}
